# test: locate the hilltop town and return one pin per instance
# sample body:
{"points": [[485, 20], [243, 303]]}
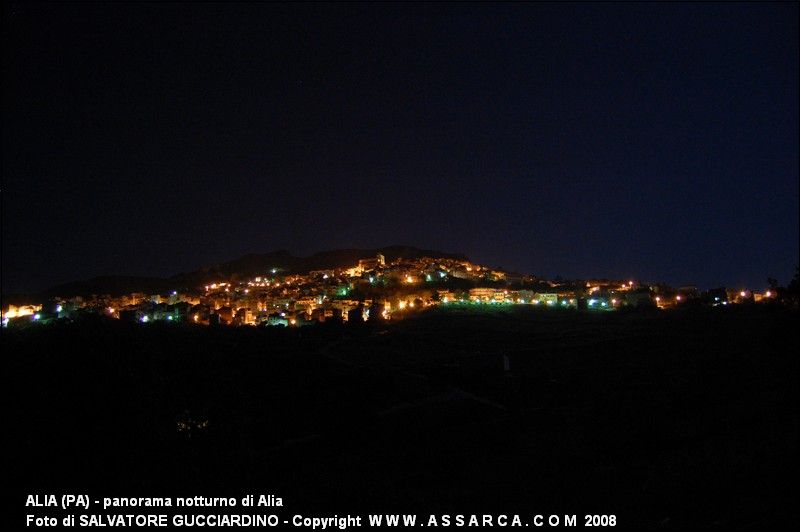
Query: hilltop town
{"points": [[372, 288]]}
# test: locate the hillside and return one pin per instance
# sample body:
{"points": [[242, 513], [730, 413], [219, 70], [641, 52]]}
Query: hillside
{"points": [[249, 265]]}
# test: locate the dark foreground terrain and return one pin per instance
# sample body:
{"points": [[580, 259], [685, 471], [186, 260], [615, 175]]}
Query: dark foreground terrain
{"points": [[666, 419]]}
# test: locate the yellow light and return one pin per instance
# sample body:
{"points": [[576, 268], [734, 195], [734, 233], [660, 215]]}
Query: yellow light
{"points": [[742, 293], [658, 299], [111, 311], [293, 321], [402, 305], [196, 317], [411, 304]]}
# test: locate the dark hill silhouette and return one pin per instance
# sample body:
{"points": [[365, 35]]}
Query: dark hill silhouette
{"points": [[114, 285], [252, 264]]}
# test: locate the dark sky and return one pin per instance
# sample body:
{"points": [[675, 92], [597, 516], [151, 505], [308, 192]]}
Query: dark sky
{"points": [[658, 141]]}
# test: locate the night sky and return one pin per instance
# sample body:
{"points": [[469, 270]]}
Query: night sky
{"points": [[656, 141]]}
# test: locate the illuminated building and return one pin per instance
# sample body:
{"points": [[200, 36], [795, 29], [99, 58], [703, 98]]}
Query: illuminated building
{"points": [[370, 264], [547, 299], [481, 295]]}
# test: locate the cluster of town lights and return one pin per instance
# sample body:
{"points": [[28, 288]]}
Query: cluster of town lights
{"points": [[245, 303]]}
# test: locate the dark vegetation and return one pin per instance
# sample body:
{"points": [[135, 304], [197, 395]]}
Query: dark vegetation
{"points": [[662, 418]]}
